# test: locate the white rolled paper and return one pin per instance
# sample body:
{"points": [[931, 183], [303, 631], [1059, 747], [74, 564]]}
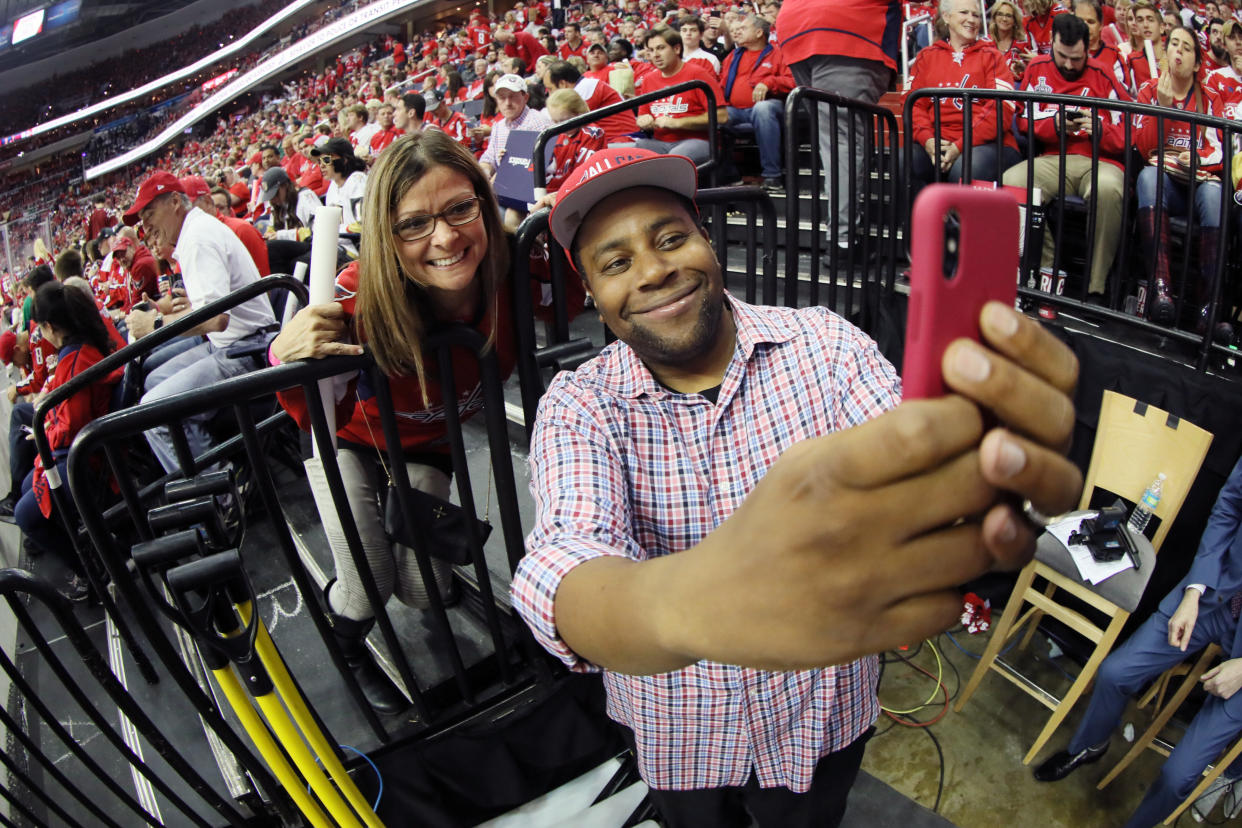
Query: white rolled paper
{"points": [[322, 290]]}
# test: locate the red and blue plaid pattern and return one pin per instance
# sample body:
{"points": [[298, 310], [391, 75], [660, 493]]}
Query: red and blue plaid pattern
{"points": [[622, 466]]}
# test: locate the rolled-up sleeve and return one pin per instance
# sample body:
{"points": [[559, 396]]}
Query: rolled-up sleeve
{"points": [[581, 511]]}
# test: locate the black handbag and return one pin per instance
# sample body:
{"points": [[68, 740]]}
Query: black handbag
{"points": [[443, 524]]}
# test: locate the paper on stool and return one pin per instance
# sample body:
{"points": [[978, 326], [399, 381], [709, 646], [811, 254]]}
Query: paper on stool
{"points": [[1088, 567]]}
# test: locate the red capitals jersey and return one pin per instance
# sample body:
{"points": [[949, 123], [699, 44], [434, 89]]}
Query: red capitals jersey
{"points": [[144, 276], [682, 105], [455, 125], [1096, 81], [1110, 59], [475, 90], [381, 140], [978, 66], [1039, 30], [565, 51], [421, 425], [42, 362], [570, 150], [599, 94], [1228, 86], [480, 37], [1178, 135]]}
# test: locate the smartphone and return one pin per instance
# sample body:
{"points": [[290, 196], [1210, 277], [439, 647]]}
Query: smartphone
{"points": [[963, 254]]}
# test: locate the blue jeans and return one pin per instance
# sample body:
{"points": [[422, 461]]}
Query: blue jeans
{"points": [[696, 149], [985, 165], [1175, 195], [195, 368], [765, 117], [46, 533]]}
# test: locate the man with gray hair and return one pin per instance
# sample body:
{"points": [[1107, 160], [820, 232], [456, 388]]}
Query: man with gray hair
{"points": [[214, 263], [755, 78]]}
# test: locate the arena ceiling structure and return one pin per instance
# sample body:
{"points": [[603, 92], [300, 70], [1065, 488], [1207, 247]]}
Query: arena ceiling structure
{"points": [[47, 26]]}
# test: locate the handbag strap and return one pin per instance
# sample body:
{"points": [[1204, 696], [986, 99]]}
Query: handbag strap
{"points": [[487, 506]]}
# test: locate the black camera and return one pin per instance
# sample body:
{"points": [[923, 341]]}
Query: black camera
{"points": [[1106, 536]]}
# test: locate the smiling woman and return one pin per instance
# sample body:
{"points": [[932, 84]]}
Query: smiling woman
{"points": [[432, 254]]}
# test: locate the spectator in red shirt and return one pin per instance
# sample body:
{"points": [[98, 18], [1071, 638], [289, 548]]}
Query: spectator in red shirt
{"points": [[619, 129], [1038, 25], [571, 148], [144, 273], [1146, 30], [1005, 29], [754, 77], [678, 123], [521, 44], [441, 117], [574, 44], [597, 63], [99, 217], [199, 193], [1088, 11], [387, 132]]}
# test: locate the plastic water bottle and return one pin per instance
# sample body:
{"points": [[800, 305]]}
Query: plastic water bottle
{"points": [[1147, 504]]}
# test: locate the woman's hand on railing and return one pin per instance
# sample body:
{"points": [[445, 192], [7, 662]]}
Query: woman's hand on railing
{"points": [[314, 332]]}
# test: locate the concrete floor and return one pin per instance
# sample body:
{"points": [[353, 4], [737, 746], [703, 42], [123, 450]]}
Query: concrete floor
{"points": [[985, 782]]}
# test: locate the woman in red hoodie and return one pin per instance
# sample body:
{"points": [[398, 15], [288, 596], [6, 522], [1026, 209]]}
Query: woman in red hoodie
{"points": [[962, 61]]}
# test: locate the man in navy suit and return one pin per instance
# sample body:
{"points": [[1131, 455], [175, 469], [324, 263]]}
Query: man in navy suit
{"points": [[1202, 609]]}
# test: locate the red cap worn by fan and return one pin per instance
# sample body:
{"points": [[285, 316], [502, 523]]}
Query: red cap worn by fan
{"points": [[8, 342], [610, 171], [154, 185]]}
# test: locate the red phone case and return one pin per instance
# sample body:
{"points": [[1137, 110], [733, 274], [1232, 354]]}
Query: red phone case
{"points": [[942, 310]]}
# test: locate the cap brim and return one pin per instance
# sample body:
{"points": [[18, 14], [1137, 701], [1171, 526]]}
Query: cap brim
{"points": [[666, 172]]}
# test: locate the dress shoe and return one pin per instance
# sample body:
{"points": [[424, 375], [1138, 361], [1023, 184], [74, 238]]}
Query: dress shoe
{"points": [[1062, 763]]}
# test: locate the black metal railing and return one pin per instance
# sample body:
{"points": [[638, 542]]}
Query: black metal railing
{"points": [[237, 393], [132, 354], [85, 790], [1123, 283], [861, 245]]}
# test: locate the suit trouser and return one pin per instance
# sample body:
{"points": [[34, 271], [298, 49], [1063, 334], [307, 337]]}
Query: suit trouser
{"points": [[1127, 669], [1111, 182], [864, 80]]}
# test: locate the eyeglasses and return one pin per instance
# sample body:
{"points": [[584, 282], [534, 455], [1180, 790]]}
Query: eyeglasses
{"points": [[1003, 16], [413, 228], [326, 159]]}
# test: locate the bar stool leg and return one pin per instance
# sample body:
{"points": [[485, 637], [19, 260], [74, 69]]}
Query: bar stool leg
{"points": [[1080, 684], [1000, 633]]}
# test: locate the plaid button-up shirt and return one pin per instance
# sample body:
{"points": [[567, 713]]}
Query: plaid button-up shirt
{"points": [[623, 466]]}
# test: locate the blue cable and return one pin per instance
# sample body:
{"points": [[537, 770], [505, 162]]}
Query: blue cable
{"points": [[378, 776], [976, 656]]}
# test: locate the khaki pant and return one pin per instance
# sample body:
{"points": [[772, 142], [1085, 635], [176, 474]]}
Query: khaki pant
{"points": [[1111, 183]]}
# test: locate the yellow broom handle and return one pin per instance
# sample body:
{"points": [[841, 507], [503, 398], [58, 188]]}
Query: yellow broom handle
{"points": [[279, 674], [240, 701]]}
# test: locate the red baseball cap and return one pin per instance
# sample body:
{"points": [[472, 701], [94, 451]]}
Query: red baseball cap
{"points": [[195, 186], [610, 171], [123, 243], [156, 184], [8, 341]]}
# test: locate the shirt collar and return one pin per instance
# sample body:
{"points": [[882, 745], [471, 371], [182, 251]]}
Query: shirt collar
{"points": [[625, 375]]}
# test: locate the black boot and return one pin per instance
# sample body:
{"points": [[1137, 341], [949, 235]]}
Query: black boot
{"points": [[378, 689], [1160, 308], [1209, 239]]}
